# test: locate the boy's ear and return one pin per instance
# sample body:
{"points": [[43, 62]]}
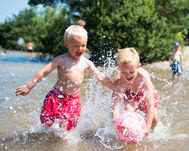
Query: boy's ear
{"points": [[65, 44], [139, 65]]}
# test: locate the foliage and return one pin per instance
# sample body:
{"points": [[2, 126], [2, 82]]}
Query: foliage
{"points": [[19, 26], [150, 26], [55, 27], [47, 28]]}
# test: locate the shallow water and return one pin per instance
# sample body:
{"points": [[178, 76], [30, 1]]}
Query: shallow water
{"points": [[19, 116]]}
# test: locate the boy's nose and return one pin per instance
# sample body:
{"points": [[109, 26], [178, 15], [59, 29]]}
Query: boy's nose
{"points": [[80, 47]]}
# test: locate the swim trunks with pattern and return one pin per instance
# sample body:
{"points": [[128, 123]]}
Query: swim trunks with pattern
{"points": [[65, 108], [140, 100]]}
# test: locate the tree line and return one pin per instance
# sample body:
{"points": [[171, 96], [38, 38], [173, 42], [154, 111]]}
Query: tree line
{"points": [[150, 26]]}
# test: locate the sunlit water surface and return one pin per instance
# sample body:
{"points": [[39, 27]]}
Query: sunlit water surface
{"points": [[20, 127]]}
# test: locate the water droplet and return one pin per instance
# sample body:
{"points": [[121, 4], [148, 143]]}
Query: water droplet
{"points": [[60, 96], [61, 89], [44, 79], [6, 99], [35, 80]]}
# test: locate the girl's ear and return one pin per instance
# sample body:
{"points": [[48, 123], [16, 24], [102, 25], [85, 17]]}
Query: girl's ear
{"points": [[139, 65]]}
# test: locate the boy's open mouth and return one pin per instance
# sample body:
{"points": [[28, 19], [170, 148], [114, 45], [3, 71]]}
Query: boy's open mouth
{"points": [[78, 53], [129, 79]]}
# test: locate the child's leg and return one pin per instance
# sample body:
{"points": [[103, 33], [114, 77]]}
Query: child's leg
{"points": [[155, 120], [173, 76], [130, 107], [179, 77]]}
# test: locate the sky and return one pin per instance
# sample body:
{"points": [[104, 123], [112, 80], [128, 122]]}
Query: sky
{"points": [[10, 7]]}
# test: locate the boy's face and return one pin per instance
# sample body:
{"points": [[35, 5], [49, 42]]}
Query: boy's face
{"points": [[129, 72], [176, 48], [76, 46]]}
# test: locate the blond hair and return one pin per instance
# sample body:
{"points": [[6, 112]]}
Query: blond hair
{"points": [[127, 56], [81, 23], [74, 31]]}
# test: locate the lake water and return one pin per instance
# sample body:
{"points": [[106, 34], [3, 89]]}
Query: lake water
{"points": [[20, 127]]}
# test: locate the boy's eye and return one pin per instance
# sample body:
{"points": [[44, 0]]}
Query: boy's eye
{"points": [[132, 72]]}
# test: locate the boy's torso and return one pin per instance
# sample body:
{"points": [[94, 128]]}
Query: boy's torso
{"points": [[175, 56], [70, 75], [30, 45]]}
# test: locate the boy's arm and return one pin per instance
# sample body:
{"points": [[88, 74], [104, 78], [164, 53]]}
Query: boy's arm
{"points": [[150, 101], [101, 77], [25, 89], [117, 97], [181, 59], [170, 58]]}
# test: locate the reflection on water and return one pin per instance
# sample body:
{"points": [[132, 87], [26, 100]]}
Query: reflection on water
{"points": [[19, 116]]}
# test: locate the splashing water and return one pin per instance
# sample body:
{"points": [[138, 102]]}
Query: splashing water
{"points": [[21, 129]]}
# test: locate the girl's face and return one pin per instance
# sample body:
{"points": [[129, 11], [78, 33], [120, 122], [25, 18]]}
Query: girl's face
{"points": [[129, 72], [76, 46]]}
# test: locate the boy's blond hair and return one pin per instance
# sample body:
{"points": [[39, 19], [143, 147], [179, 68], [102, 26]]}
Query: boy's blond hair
{"points": [[127, 56], [81, 23], [74, 31]]}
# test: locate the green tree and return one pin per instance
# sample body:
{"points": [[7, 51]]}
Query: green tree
{"points": [[148, 25], [46, 27], [20, 25], [57, 20]]}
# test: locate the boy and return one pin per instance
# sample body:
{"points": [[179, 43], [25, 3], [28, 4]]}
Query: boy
{"points": [[176, 61], [62, 103], [29, 46], [137, 86]]}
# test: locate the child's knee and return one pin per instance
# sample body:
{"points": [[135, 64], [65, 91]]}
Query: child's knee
{"points": [[155, 121]]}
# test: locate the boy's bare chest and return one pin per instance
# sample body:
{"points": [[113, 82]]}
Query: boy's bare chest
{"points": [[176, 56], [135, 87], [72, 73]]}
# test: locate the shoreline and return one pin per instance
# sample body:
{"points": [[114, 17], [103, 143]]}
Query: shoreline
{"points": [[158, 64]]}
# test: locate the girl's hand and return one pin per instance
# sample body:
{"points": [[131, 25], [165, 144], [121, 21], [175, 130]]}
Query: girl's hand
{"points": [[23, 90]]}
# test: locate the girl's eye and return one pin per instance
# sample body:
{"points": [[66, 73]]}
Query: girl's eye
{"points": [[132, 72]]}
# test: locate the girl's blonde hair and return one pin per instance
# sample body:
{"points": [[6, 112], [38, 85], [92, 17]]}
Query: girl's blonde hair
{"points": [[74, 31], [127, 56]]}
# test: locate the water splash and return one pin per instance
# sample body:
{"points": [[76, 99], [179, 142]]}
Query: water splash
{"points": [[95, 126]]}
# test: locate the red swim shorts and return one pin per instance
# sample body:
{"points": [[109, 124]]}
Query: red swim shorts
{"points": [[65, 108], [140, 100]]}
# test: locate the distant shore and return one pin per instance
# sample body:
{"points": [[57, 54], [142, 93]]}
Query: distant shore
{"points": [[159, 64]]}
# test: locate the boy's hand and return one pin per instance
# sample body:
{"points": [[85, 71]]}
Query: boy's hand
{"points": [[23, 90], [146, 134], [122, 96]]}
